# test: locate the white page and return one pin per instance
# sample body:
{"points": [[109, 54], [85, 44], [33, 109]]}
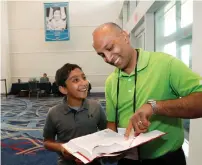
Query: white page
{"points": [[107, 142], [105, 138], [132, 153], [145, 137], [77, 155]]}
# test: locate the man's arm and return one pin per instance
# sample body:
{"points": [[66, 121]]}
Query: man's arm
{"points": [[186, 86], [186, 107], [110, 108]]}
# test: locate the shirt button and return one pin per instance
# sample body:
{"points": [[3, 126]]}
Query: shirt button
{"points": [[129, 91], [129, 79]]}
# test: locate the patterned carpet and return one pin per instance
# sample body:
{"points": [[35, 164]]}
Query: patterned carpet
{"points": [[22, 122]]}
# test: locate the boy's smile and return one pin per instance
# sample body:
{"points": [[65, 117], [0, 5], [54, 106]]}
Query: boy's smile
{"points": [[77, 85]]}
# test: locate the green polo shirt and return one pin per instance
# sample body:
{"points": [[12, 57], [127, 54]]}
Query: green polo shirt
{"points": [[161, 77]]}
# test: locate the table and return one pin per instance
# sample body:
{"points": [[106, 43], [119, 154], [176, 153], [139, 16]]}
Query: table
{"points": [[17, 87], [55, 90]]}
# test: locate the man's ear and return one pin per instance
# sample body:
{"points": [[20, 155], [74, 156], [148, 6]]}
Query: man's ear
{"points": [[126, 36], [63, 90]]}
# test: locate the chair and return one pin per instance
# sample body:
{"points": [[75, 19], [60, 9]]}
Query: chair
{"points": [[4, 80], [89, 88], [45, 88], [33, 88]]}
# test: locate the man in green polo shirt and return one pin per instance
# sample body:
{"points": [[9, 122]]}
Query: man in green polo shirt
{"points": [[148, 91]]}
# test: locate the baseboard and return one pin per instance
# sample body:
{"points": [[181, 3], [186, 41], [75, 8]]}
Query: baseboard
{"points": [[97, 89]]}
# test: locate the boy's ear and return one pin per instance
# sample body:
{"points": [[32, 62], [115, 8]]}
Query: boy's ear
{"points": [[63, 90]]}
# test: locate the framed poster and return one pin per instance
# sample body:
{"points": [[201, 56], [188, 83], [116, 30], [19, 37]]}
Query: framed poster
{"points": [[56, 21]]}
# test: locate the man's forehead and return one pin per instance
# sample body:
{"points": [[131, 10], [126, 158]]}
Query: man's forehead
{"points": [[101, 41]]}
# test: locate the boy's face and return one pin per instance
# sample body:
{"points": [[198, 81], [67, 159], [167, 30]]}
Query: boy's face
{"points": [[76, 85]]}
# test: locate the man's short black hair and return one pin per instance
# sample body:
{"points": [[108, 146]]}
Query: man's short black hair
{"points": [[63, 73]]}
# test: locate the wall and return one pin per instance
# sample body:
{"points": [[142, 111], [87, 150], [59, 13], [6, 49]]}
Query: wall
{"points": [[195, 134], [138, 14], [141, 21], [5, 56], [31, 56]]}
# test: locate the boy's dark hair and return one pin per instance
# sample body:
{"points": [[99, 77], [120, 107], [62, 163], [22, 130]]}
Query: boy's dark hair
{"points": [[63, 73]]}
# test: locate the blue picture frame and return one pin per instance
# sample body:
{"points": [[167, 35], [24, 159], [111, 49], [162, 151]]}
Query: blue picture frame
{"points": [[56, 19]]}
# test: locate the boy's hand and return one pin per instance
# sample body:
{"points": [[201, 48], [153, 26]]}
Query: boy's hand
{"points": [[69, 156], [66, 154], [78, 162]]}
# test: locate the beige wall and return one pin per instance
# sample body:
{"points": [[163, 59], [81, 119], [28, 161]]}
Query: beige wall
{"points": [[195, 133], [31, 56], [5, 56]]}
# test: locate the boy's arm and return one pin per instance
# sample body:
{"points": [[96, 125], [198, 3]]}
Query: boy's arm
{"points": [[103, 121], [52, 145], [49, 134]]}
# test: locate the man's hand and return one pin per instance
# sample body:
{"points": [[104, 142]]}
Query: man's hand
{"points": [[140, 120]]}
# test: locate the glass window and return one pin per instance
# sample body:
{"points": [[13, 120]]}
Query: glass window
{"points": [[130, 8], [170, 21], [170, 48], [137, 2], [140, 40], [169, 34], [128, 11], [186, 13], [185, 54]]}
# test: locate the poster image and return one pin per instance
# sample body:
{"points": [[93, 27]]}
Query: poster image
{"points": [[56, 21]]}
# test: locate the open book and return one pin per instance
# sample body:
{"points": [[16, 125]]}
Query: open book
{"points": [[106, 143]]}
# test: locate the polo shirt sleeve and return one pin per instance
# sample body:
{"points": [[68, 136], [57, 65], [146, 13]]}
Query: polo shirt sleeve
{"points": [[110, 108], [49, 131], [183, 80]]}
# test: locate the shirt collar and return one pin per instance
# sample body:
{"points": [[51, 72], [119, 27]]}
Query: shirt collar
{"points": [[143, 59], [67, 109], [142, 63]]}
